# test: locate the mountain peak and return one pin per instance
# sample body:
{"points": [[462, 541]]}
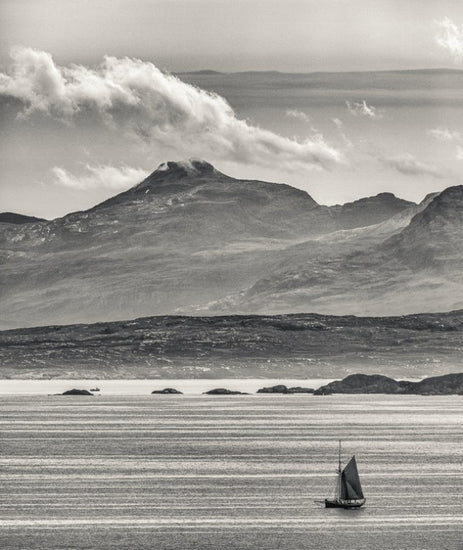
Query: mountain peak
{"points": [[434, 236], [444, 208], [190, 167], [170, 177]]}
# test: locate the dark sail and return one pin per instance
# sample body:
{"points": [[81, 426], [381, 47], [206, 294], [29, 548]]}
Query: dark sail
{"points": [[351, 488]]}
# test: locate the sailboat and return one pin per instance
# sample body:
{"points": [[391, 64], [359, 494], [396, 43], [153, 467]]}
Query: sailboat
{"points": [[348, 491]]}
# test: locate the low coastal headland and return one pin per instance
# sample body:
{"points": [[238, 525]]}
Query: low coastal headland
{"points": [[274, 347], [447, 384]]}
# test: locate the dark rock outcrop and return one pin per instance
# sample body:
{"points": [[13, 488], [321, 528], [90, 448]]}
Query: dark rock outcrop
{"points": [[77, 392], [361, 383], [448, 384], [224, 391], [167, 391], [299, 389], [281, 388]]}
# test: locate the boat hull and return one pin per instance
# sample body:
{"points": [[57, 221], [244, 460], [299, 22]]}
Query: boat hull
{"points": [[346, 504]]}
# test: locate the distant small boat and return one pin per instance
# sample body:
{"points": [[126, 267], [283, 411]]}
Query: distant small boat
{"points": [[348, 491], [95, 389]]}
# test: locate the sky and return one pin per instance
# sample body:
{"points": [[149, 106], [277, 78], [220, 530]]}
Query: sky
{"points": [[90, 102]]}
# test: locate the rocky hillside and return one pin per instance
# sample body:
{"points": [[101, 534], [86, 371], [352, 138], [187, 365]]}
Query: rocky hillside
{"points": [[191, 240], [310, 346]]}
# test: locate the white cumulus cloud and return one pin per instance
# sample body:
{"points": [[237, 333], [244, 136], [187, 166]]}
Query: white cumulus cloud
{"points": [[116, 178], [362, 108], [450, 37], [459, 154], [137, 97]]}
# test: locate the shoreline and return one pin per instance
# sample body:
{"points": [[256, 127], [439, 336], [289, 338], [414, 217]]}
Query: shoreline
{"points": [[360, 384], [144, 386]]}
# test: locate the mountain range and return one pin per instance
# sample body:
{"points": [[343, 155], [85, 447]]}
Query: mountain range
{"points": [[191, 240]]}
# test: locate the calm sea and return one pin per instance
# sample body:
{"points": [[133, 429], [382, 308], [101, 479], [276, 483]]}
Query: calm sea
{"points": [[238, 472]]}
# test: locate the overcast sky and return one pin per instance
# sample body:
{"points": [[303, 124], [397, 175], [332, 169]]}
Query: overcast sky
{"points": [[233, 35], [77, 126]]}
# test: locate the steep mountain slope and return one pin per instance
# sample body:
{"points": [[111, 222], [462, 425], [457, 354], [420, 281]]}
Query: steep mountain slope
{"points": [[190, 239], [434, 238]]}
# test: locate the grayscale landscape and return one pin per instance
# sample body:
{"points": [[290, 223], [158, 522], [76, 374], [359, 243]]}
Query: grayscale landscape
{"points": [[231, 291]]}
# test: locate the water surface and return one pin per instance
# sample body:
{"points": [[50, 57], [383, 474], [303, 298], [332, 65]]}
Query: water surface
{"points": [[236, 472]]}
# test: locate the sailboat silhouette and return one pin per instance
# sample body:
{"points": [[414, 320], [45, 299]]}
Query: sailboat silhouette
{"points": [[348, 491]]}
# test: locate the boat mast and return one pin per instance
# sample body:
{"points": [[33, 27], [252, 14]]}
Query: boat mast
{"points": [[339, 466], [339, 472]]}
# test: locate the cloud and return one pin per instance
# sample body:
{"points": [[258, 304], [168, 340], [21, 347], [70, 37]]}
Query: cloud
{"points": [[444, 134], [459, 154], [116, 178], [340, 126], [363, 109], [294, 113], [136, 97], [407, 164], [450, 38]]}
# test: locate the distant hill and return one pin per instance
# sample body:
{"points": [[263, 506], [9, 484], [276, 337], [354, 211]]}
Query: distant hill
{"points": [[11, 217], [370, 210], [192, 240], [281, 346], [208, 72]]}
